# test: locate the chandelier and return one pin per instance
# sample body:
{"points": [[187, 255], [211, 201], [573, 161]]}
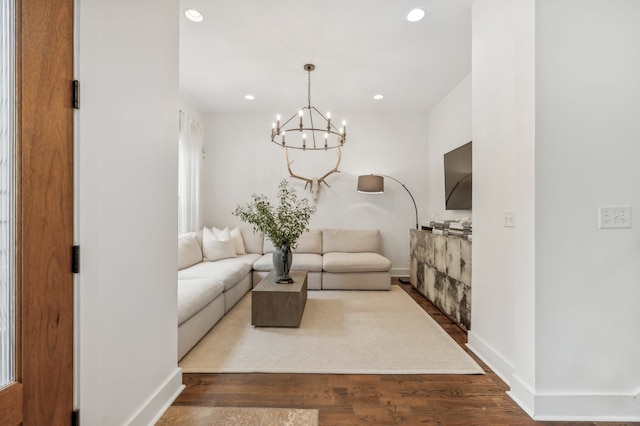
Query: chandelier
{"points": [[308, 129]]}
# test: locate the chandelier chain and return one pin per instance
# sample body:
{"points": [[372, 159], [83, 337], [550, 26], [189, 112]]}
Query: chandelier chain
{"points": [[309, 89]]}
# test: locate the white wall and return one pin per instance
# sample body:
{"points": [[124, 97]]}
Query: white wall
{"points": [[554, 303], [126, 169], [502, 153], [241, 160], [587, 152], [448, 127]]}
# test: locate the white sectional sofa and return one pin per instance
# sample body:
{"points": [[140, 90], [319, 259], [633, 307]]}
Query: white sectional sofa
{"points": [[209, 287], [307, 256]]}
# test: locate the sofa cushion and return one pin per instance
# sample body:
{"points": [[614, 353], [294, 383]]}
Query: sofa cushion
{"points": [[189, 251], [265, 263], [301, 262], [308, 242], [267, 245], [355, 262], [236, 237], [356, 281], [252, 240], [217, 245], [195, 294], [221, 234], [228, 272], [351, 241], [198, 235], [249, 258]]}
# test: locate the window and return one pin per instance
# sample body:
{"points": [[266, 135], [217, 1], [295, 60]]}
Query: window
{"points": [[189, 175]]}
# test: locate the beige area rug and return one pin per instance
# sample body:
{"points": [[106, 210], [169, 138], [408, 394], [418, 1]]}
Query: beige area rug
{"points": [[342, 332], [237, 416]]}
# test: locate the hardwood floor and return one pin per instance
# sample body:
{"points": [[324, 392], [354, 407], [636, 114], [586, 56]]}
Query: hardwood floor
{"points": [[366, 399]]}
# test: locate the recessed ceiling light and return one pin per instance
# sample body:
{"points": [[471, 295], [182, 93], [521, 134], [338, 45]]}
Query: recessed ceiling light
{"points": [[415, 15], [249, 97], [378, 97], [193, 15]]}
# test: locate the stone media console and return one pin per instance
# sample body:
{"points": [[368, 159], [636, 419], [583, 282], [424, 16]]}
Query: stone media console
{"points": [[441, 270]]}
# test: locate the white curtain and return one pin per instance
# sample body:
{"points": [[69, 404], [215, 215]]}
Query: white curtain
{"points": [[190, 175]]}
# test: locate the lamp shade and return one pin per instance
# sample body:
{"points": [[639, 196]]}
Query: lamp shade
{"points": [[371, 184]]}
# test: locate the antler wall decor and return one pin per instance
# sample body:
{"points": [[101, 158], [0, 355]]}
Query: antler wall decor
{"points": [[314, 183]]}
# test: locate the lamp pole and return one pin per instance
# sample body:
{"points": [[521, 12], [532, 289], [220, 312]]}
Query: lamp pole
{"points": [[374, 184], [408, 192], [402, 280]]}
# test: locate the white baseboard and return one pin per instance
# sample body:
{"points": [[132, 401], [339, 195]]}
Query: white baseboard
{"points": [[523, 395], [399, 272], [592, 408], [494, 360], [556, 407], [157, 404]]}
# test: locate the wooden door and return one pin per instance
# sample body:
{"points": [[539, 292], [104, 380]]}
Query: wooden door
{"points": [[43, 389]]}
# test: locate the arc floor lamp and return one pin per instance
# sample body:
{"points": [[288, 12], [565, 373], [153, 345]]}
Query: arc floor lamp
{"points": [[374, 184]]}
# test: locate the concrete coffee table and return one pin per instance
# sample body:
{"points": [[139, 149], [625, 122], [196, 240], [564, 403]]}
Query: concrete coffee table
{"points": [[279, 305]]}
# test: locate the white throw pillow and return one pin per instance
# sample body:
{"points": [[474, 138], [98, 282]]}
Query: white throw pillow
{"points": [[221, 234], [236, 237], [189, 252], [215, 248]]}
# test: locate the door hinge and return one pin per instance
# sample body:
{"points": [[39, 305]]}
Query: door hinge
{"points": [[75, 418], [75, 259], [76, 94]]}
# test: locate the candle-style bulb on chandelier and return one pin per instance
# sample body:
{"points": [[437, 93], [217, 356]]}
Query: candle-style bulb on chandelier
{"points": [[308, 128]]}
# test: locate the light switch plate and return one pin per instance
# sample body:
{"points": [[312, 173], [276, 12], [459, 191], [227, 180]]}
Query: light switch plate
{"points": [[614, 217], [509, 218]]}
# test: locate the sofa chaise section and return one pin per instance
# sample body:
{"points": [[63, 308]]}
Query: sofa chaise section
{"points": [[208, 289], [200, 306], [233, 274]]}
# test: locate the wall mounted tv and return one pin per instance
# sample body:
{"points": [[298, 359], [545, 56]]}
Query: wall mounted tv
{"points": [[458, 178]]}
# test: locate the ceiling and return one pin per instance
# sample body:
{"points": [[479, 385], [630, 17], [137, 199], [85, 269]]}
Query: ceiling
{"points": [[359, 47]]}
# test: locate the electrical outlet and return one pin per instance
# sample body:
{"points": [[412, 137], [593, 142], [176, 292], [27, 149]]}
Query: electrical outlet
{"points": [[614, 217], [509, 219]]}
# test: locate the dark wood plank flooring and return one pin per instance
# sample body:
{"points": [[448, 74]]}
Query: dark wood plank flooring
{"points": [[370, 399]]}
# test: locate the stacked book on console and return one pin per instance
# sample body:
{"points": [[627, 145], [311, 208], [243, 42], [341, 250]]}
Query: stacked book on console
{"points": [[461, 229], [440, 227], [448, 227]]}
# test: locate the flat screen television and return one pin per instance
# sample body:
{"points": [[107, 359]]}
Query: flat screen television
{"points": [[458, 178]]}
